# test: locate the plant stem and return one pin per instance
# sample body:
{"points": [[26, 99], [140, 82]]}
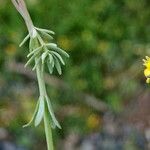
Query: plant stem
{"points": [[22, 9], [47, 123], [48, 130], [40, 77]]}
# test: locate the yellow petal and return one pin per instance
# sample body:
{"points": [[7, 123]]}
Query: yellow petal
{"points": [[144, 60], [147, 58], [148, 80], [148, 64], [147, 72]]}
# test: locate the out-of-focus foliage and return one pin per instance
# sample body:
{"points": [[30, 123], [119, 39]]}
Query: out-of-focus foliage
{"points": [[106, 40]]}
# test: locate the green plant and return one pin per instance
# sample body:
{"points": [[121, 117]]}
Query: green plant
{"points": [[42, 52]]}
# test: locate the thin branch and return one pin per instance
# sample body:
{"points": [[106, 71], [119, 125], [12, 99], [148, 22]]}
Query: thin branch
{"points": [[16, 4], [22, 9]]}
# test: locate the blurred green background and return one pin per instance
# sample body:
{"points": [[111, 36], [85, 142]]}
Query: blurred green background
{"points": [[101, 100]]}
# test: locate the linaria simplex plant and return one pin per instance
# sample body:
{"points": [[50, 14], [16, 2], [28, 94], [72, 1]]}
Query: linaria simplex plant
{"points": [[43, 53]]}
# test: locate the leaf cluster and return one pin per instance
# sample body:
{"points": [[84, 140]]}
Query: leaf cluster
{"points": [[47, 52]]}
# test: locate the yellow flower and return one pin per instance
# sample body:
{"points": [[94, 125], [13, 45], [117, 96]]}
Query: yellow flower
{"points": [[94, 121], [147, 69]]}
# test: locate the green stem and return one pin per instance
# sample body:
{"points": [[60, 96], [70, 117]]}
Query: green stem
{"points": [[47, 123], [40, 77], [48, 130], [22, 9]]}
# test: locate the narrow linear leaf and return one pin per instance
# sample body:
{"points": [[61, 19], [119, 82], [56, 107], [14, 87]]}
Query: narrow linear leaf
{"points": [[35, 50], [53, 63], [24, 40], [33, 117], [47, 36], [58, 66], [53, 46], [62, 52], [30, 60], [50, 58], [45, 30], [49, 118], [40, 112], [49, 66], [44, 55], [52, 112], [59, 57], [37, 62]]}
